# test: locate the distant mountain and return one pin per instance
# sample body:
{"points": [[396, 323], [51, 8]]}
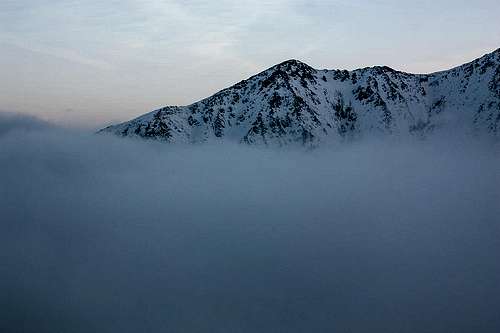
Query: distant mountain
{"points": [[295, 103]]}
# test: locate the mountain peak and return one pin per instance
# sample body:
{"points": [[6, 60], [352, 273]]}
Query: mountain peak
{"points": [[292, 102], [292, 62], [497, 51], [292, 65]]}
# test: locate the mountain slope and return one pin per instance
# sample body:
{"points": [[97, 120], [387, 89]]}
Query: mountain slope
{"points": [[295, 103]]}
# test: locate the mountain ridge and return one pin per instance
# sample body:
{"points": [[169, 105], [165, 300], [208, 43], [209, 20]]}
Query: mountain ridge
{"points": [[291, 102]]}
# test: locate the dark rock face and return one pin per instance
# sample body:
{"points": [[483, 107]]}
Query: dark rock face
{"points": [[295, 103]]}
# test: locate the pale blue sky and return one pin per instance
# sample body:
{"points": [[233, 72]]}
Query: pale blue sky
{"points": [[88, 63]]}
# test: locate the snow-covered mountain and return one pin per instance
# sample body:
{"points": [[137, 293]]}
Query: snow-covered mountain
{"points": [[295, 103]]}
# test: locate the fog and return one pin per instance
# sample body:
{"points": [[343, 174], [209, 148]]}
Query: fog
{"points": [[102, 234]]}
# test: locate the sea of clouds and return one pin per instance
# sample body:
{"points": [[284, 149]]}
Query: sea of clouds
{"points": [[103, 234]]}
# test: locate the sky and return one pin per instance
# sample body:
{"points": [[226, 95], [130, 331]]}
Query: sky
{"points": [[91, 63]]}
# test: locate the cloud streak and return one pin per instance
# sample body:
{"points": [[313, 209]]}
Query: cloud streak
{"points": [[141, 55]]}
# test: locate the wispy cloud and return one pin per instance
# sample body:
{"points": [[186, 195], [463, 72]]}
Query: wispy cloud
{"points": [[179, 51]]}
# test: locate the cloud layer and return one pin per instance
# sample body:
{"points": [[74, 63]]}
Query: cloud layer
{"points": [[107, 235]]}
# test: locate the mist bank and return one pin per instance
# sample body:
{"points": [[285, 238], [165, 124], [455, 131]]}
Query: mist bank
{"points": [[103, 234]]}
